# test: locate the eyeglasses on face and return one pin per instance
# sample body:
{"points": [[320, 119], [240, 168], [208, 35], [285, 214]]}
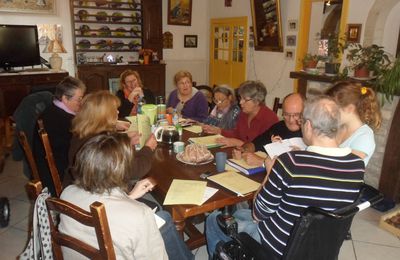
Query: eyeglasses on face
{"points": [[128, 82], [244, 100], [77, 99], [219, 101], [291, 115]]}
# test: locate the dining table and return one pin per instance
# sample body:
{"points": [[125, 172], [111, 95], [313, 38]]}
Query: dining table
{"points": [[166, 167]]}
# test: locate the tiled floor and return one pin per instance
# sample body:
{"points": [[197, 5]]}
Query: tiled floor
{"points": [[369, 241]]}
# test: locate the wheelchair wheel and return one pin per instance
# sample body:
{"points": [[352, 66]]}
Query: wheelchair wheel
{"points": [[4, 212]]}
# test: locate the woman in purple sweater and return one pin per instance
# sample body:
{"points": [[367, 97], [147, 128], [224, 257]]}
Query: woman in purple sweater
{"points": [[187, 100]]}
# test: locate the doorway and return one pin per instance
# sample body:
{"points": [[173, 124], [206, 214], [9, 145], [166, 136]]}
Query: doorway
{"points": [[228, 44]]}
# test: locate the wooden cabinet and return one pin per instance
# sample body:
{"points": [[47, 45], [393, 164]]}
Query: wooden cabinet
{"points": [[97, 77], [152, 26]]}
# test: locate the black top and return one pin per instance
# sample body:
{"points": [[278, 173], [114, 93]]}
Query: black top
{"points": [[126, 105], [277, 129]]}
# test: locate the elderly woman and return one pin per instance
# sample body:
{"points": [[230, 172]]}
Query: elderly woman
{"points": [[187, 100], [253, 120], [99, 114], [226, 110], [102, 169], [131, 90], [57, 120]]}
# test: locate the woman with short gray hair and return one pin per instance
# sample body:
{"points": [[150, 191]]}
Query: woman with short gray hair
{"points": [[226, 110], [254, 119]]}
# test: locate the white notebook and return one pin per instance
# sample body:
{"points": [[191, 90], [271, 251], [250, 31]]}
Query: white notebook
{"points": [[277, 148]]}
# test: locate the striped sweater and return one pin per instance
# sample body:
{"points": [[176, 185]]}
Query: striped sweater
{"points": [[301, 179]]}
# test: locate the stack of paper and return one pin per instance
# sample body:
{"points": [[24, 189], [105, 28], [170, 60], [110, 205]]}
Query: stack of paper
{"points": [[242, 166], [185, 192], [284, 146], [235, 182], [210, 141]]}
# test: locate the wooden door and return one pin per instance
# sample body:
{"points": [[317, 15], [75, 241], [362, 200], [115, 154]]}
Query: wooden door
{"points": [[228, 44]]}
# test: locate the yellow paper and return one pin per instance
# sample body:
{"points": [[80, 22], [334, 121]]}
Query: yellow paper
{"points": [[185, 192], [141, 124], [210, 141], [235, 182], [194, 129], [243, 164]]}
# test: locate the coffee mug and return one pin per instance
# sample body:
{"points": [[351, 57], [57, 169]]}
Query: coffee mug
{"points": [[220, 161], [179, 147]]}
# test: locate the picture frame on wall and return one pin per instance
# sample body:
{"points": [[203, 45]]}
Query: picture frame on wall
{"points": [[353, 33], [289, 54], [21, 6], [291, 40], [180, 12], [267, 25], [292, 25], [190, 41]]}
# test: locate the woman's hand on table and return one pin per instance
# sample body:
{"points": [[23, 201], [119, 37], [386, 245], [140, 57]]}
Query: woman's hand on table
{"points": [[151, 142], [141, 187], [237, 153], [122, 125], [209, 129], [253, 159], [229, 142]]}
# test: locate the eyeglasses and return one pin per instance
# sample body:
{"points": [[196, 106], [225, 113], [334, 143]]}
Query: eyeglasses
{"points": [[77, 99], [130, 81], [217, 102], [290, 115], [245, 100]]}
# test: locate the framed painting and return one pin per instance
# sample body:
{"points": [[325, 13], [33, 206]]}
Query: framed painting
{"points": [[29, 6], [180, 12], [267, 25], [190, 41], [353, 33]]}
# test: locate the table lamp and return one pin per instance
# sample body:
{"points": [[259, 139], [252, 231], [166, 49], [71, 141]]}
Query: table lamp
{"points": [[54, 46]]}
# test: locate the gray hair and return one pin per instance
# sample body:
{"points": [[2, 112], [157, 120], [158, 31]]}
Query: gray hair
{"points": [[324, 115], [226, 90], [67, 87], [254, 90]]}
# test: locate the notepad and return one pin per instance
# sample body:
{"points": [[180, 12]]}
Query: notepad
{"points": [[185, 192], [194, 129], [247, 169], [210, 141], [277, 148], [239, 184]]}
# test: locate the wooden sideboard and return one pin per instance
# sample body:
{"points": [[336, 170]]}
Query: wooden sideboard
{"points": [[97, 77], [13, 88]]}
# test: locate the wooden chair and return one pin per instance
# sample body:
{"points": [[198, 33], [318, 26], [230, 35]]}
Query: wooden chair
{"points": [[96, 218], [50, 158], [23, 140], [277, 105], [34, 188]]}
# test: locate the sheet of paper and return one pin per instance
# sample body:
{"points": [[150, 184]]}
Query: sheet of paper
{"points": [[159, 221], [286, 145], [209, 140], [194, 129], [141, 124], [208, 193], [235, 182], [185, 192]]}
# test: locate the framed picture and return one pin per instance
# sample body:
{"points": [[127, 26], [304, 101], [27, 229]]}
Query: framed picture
{"points": [[180, 12], [289, 54], [190, 41], [291, 40], [353, 33], [292, 25], [267, 25], [32, 6]]}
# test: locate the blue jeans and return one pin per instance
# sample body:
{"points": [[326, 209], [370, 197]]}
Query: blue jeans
{"points": [[175, 246], [214, 233]]}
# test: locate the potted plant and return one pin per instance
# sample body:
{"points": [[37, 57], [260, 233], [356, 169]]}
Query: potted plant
{"points": [[146, 54], [364, 60], [310, 61], [336, 45], [389, 82]]}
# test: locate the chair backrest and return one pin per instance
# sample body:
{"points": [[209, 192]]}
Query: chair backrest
{"points": [[28, 154], [208, 93], [50, 158], [96, 218], [277, 105], [34, 188]]}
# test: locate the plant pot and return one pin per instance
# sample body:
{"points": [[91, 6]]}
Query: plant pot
{"points": [[146, 59], [312, 64], [332, 68], [362, 72]]}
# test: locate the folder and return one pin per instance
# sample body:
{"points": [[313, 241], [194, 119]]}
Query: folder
{"points": [[239, 184]]}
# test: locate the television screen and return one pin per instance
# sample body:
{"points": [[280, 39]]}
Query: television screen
{"points": [[19, 46]]}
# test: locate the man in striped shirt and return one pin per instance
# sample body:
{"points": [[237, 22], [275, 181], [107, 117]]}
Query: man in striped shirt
{"points": [[324, 176]]}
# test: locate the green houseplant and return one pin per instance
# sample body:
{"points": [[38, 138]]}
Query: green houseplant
{"points": [[364, 60], [389, 83], [310, 61], [335, 45]]}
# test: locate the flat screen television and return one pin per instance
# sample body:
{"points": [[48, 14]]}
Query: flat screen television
{"points": [[19, 46]]}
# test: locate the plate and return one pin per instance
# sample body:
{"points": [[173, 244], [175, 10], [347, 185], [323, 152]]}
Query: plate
{"points": [[362, 78], [179, 158]]}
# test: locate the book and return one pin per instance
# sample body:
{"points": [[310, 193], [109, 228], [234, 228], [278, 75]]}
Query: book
{"points": [[140, 124], [247, 169], [277, 148], [210, 140], [185, 192], [239, 184]]}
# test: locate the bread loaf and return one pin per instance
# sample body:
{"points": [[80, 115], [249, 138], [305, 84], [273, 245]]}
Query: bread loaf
{"points": [[196, 153]]}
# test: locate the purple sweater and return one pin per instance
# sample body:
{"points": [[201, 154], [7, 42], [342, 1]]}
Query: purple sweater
{"points": [[195, 108]]}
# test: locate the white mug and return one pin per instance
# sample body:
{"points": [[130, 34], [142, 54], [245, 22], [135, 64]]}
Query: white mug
{"points": [[179, 147]]}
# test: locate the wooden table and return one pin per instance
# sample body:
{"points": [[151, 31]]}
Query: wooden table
{"points": [[166, 168]]}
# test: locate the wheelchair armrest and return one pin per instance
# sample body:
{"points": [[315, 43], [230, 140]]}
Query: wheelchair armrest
{"points": [[251, 246]]}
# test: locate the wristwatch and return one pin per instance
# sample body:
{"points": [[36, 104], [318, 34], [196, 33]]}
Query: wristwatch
{"points": [[263, 165]]}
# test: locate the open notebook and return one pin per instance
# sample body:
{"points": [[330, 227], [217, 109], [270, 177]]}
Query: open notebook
{"points": [[284, 146]]}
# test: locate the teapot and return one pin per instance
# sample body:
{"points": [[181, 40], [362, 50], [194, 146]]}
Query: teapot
{"points": [[166, 134]]}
